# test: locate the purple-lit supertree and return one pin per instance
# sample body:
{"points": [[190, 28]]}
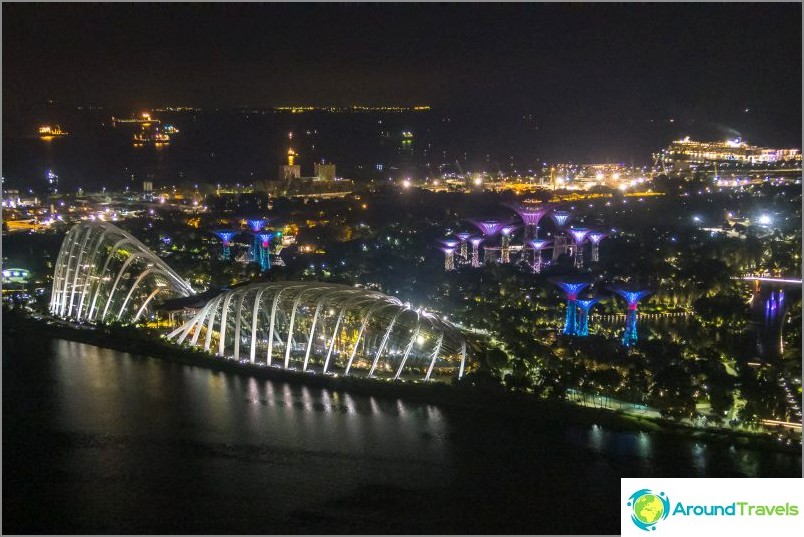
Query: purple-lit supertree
{"points": [[584, 305], [476, 250], [629, 338], [488, 228], [595, 237], [265, 250], [578, 236], [537, 245], [449, 247], [463, 236], [226, 236], [256, 226], [505, 252], [571, 289], [530, 215], [560, 217]]}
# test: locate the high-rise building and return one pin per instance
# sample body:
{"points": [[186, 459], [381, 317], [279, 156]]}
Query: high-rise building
{"points": [[325, 172]]}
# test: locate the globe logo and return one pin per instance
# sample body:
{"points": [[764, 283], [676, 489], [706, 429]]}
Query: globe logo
{"points": [[648, 508]]}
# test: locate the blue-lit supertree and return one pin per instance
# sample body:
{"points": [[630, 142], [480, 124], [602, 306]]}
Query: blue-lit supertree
{"points": [[537, 245], [488, 228], [584, 305], [595, 237], [265, 250], [629, 338], [226, 236], [256, 226], [571, 289], [578, 236]]}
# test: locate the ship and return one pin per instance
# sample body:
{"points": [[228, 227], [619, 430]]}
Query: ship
{"points": [[145, 119], [46, 132], [151, 136]]}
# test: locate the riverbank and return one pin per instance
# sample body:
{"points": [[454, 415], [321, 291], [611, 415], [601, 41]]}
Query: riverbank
{"points": [[20, 328]]}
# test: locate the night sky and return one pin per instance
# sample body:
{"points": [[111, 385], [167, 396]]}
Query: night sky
{"points": [[587, 64]]}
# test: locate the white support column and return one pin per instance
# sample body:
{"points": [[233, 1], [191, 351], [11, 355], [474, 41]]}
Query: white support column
{"points": [[435, 356], [77, 270], [385, 340], [239, 321], [409, 346], [334, 335], [211, 324], [254, 314], [224, 313], [463, 358], [142, 308], [360, 332]]}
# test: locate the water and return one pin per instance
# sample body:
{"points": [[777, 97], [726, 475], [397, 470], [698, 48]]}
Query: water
{"points": [[97, 440]]}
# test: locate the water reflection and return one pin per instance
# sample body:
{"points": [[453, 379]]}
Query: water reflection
{"points": [[273, 453]]}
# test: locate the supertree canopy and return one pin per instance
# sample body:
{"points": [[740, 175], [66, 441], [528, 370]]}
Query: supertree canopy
{"points": [[530, 215], [537, 245], [578, 236], [561, 217], [571, 289], [489, 228], [226, 236], [584, 305], [632, 297], [256, 225]]}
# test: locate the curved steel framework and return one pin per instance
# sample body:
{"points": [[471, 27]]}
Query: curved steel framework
{"points": [[104, 274], [326, 329]]}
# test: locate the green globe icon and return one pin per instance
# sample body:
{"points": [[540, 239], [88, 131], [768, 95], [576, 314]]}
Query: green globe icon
{"points": [[648, 509]]}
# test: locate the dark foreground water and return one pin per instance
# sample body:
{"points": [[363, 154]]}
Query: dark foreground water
{"points": [[96, 440]]}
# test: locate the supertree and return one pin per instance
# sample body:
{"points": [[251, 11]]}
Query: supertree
{"points": [[265, 250], [584, 305], [560, 240], [463, 236], [571, 289], [578, 236], [505, 253], [476, 250], [449, 257], [530, 215], [488, 228], [538, 245], [629, 338], [256, 226], [226, 236], [595, 237]]}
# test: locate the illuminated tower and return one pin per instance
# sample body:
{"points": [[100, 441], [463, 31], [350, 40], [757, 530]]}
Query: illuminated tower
{"points": [[579, 235], [560, 241], [506, 232], [226, 237], [530, 217], [464, 238], [256, 226], [595, 237], [571, 289], [629, 338], [584, 305], [265, 250], [476, 250], [489, 228], [291, 170], [537, 245]]}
